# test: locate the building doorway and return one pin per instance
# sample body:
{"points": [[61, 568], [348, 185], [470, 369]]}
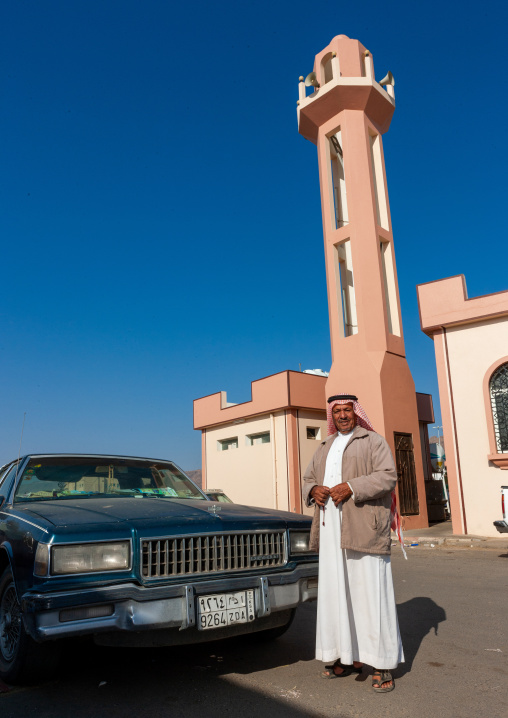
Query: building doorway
{"points": [[406, 474]]}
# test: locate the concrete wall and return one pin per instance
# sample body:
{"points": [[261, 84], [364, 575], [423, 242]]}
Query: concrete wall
{"points": [[271, 393], [471, 341], [267, 475], [307, 447], [256, 475], [472, 349]]}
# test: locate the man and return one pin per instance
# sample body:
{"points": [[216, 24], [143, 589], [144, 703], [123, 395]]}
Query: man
{"points": [[350, 480]]}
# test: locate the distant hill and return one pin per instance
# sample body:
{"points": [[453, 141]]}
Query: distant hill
{"points": [[196, 476]]}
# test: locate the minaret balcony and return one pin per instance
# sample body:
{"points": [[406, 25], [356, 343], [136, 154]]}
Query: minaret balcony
{"points": [[345, 93]]}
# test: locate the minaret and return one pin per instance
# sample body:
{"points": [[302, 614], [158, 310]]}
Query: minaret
{"points": [[346, 116]]}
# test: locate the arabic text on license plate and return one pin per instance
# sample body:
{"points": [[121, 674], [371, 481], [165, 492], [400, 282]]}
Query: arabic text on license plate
{"points": [[225, 609]]}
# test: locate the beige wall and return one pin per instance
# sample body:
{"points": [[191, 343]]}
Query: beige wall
{"points": [[307, 447], [470, 340], [267, 475], [472, 349], [258, 475], [254, 475]]}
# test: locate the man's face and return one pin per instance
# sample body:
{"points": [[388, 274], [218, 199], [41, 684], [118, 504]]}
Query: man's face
{"points": [[344, 417]]}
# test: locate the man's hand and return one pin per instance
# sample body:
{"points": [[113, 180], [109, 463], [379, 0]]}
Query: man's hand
{"points": [[320, 494], [341, 492]]}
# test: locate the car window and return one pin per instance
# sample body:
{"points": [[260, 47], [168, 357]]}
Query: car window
{"points": [[60, 478], [7, 473], [3, 472]]}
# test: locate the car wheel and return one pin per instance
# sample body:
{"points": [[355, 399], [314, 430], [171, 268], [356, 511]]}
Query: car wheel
{"points": [[270, 634], [22, 660]]}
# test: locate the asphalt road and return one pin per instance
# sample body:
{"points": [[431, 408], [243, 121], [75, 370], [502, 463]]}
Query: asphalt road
{"points": [[453, 614]]}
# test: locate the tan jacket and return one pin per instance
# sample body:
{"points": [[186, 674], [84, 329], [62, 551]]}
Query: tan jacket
{"points": [[367, 464]]}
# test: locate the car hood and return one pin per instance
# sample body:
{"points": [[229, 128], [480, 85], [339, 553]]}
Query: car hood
{"points": [[153, 512]]}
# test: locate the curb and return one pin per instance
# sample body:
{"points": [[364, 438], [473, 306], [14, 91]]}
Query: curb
{"points": [[463, 542]]}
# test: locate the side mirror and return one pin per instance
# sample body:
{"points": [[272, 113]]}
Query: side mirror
{"points": [[2, 500]]}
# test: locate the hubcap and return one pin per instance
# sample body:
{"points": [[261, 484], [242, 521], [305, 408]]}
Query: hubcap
{"points": [[10, 623]]}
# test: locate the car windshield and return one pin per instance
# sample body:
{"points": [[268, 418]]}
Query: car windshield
{"points": [[80, 477], [218, 496]]}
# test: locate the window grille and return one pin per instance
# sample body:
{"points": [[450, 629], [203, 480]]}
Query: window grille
{"points": [[499, 402]]}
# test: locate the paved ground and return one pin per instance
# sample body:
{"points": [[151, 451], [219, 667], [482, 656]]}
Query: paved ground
{"points": [[442, 533], [453, 615]]}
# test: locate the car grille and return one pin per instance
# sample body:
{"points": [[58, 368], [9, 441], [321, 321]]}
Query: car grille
{"points": [[212, 553]]}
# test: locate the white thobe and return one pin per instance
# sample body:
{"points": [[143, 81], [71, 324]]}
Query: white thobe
{"points": [[357, 614]]}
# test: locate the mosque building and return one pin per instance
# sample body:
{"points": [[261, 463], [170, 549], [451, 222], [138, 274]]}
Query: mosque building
{"points": [[257, 451], [471, 345]]}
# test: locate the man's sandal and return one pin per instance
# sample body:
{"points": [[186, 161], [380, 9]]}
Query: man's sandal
{"points": [[380, 677], [346, 670]]}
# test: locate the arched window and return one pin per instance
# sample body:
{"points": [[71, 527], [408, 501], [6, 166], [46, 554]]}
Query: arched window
{"points": [[498, 387], [326, 69]]}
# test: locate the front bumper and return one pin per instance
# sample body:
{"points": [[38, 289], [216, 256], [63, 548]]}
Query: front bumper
{"points": [[501, 526], [135, 608]]}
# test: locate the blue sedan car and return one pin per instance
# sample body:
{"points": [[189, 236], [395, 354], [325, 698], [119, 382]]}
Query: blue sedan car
{"points": [[130, 551]]}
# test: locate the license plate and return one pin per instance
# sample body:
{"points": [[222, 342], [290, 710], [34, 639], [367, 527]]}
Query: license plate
{"points": [[225, 609]]}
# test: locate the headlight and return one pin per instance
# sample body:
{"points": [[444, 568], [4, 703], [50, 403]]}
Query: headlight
{"points": [[299, 541], [90, 558]]}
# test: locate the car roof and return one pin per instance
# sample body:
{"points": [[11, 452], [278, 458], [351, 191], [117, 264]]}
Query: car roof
{"points": [[93, 456]]}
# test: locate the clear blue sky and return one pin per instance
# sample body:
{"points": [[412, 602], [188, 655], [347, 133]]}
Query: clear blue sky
{"points": [[161, 222]]}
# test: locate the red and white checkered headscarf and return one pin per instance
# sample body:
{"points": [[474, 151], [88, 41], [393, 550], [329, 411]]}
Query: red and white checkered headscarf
{"points": [[363, 420], [361, 417]]}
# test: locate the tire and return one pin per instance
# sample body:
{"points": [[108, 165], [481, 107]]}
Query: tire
{"points": [[22, 660], [271, 634]]}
